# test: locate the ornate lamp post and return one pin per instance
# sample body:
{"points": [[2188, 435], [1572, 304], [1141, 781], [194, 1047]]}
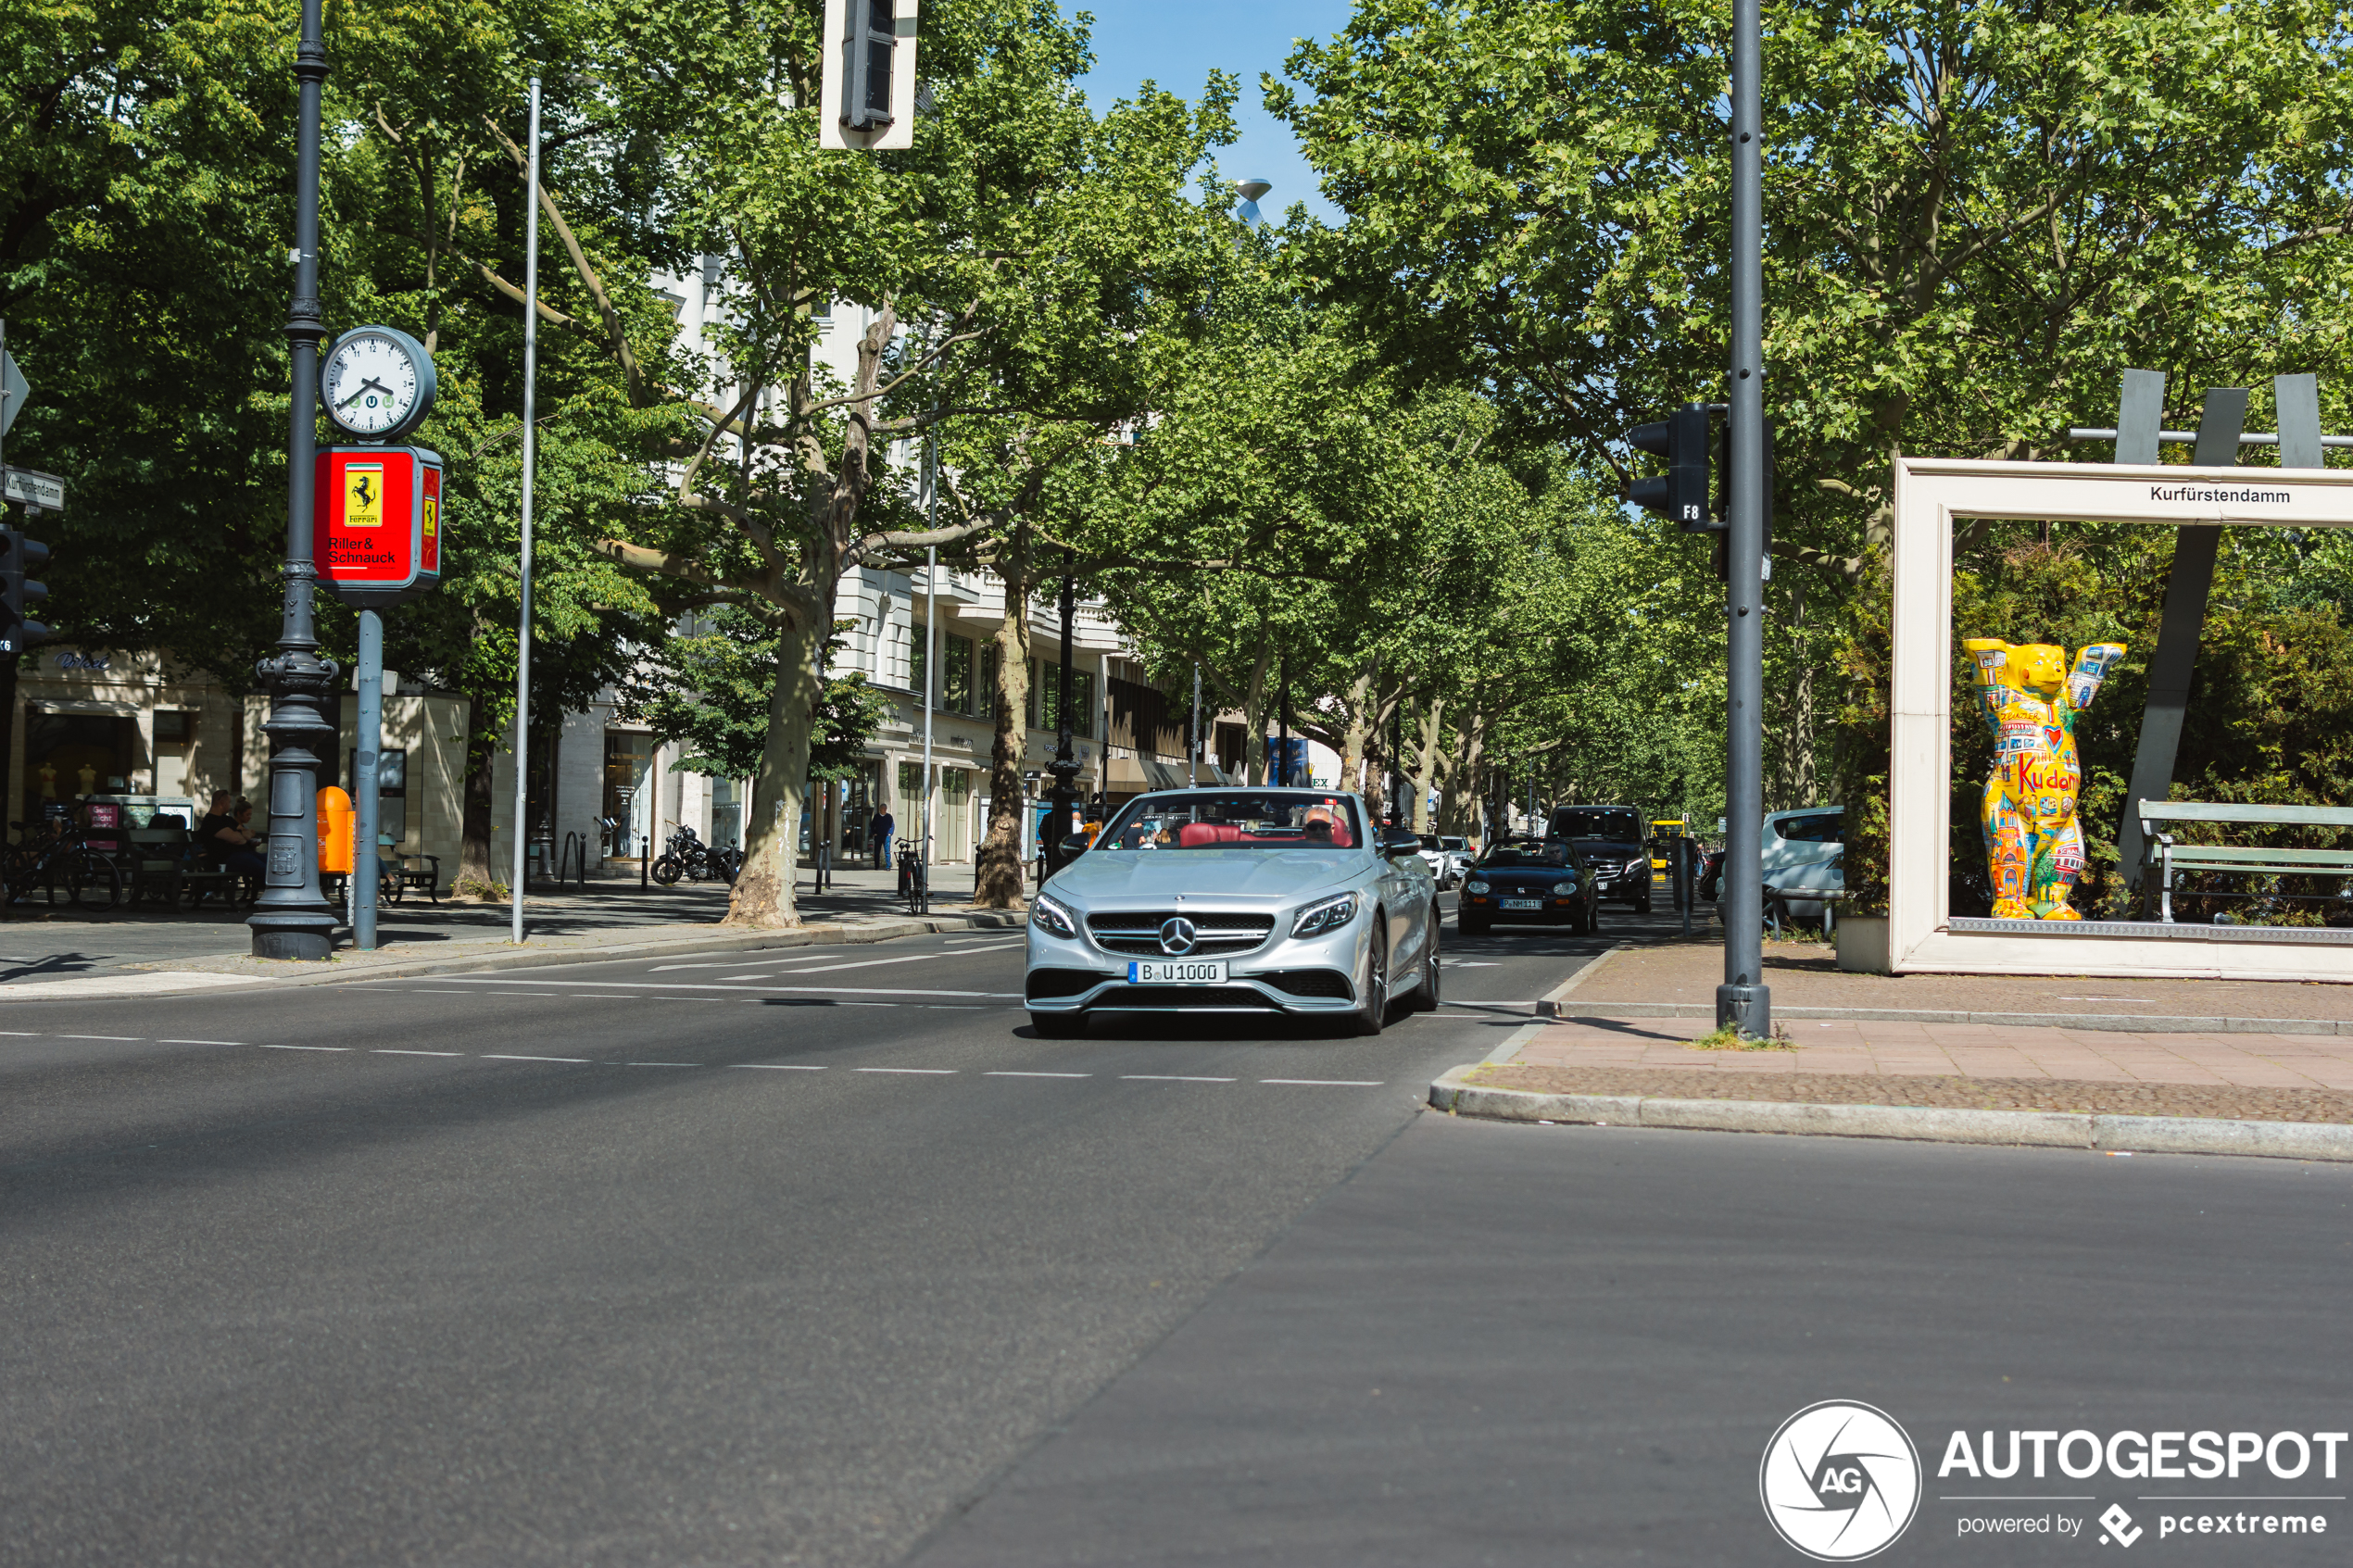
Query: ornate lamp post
{"points": [[293, 918], [1064, 767]]}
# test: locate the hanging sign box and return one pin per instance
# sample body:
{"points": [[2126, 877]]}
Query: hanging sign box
{"points": [[376, 523]]}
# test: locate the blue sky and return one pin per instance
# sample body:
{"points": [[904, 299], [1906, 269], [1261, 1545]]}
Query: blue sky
{"points": [[1178, 43]]}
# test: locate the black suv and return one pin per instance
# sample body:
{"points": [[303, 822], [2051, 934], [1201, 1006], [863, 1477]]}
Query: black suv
{"points": [[1610, 839]]}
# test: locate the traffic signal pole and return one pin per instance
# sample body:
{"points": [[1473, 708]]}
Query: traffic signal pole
{"points": [[293, 918], [1743, 999]]}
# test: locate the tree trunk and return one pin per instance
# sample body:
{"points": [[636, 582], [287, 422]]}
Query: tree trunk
{"points": [[762, 897], [1255, 720], [1002, 878], [1425, 763], [474, 878], [1351, 749]]}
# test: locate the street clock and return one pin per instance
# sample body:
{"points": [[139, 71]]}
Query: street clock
{"points": [[377, 384]]}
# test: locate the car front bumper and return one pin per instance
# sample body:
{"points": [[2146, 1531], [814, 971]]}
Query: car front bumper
{"points": [[1324, 974]]}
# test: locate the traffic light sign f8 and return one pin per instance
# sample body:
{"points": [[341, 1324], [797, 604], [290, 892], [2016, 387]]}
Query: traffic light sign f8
{"points": [[19, 555], [1682, 494]]}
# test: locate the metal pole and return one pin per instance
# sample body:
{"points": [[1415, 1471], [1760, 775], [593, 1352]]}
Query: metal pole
{"points": [[931, 645], [1743, 999], [293, 918], [1193, 756], [366, 805], [530, 452]]}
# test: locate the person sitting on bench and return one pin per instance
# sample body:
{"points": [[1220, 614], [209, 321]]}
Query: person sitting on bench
{"points": [[223, 840]]}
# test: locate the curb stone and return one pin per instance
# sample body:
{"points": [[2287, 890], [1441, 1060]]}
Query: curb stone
{"points": [[1454, 1093], [346, 967], [1549, 1004]]}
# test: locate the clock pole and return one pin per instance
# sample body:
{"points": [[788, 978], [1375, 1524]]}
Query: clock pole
{"points": [[293, 918]]}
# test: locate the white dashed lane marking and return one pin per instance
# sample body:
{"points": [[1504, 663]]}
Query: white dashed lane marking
{"points": [[751, 1066]]}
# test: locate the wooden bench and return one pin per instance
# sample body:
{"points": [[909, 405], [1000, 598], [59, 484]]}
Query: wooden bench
{"points": [[2170, 857]]}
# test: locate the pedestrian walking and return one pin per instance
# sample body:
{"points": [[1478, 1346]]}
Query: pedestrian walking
{"points": [[880, 834]]}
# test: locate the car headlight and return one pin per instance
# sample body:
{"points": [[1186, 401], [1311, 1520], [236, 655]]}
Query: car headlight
{"points": [[1330, 915], [1475, 888], [1051, 917], [1637, 865]]}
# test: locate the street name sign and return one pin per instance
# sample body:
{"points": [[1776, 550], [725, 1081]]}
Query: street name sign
{"points": [[32, 488]]}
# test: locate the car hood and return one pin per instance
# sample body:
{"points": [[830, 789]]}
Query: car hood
{"points": [[1103, 875]]}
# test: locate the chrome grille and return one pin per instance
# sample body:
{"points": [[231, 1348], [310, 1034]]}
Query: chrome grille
{"points": [[1221, 933]]}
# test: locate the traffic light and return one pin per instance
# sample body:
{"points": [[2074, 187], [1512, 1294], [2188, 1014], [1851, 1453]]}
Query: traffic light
{"points": [[871, 31], [1682, 494], [19, 555]]}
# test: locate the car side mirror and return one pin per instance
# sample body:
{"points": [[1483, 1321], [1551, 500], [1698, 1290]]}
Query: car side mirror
{"points": [[1075, 844], [1397, 843]]}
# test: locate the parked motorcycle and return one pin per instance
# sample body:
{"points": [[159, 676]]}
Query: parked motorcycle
{"points": [[685, 856]]}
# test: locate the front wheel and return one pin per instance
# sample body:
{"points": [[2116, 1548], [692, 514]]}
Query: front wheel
{"points": [[1059, 1026], [92, 884], [1426, 997], [1373, 1010], [667, 870]]}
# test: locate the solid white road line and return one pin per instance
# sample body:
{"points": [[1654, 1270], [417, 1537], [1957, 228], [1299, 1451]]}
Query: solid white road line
{"points": [[1171, 1078], [121, 1037], [212, 1042], [665, 1064], [1329, 1082], [495, 1055], [781, 1066], [828, 990], [268, 1047]]}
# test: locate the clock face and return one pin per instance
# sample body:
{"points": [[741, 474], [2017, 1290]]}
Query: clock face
{"points": [[371, 384]]}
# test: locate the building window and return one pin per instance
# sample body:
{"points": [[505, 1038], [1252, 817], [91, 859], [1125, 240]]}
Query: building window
{"points": [[1045, 693], [629, 797], [726, 813], [955, 692]]}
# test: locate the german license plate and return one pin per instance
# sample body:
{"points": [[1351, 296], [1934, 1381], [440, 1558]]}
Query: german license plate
{"points": [[1175, 971], [1520, 903]]}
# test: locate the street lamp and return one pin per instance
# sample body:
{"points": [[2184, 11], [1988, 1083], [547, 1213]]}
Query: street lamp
{"points": [[1250, 190], [1064, 767], [292, 919]]}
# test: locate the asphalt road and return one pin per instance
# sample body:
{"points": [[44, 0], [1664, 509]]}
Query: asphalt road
{"points": [[766, 1258], [818, 1257]]}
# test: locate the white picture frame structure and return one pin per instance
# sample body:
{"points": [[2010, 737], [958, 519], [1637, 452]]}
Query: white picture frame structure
{"points": [[1931, 495]]}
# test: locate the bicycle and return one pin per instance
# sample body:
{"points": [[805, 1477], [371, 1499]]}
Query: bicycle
{"points": [[914, 885], [93, 881]]}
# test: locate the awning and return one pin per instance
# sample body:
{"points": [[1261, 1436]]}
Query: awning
{"points": [[1133, 775]]}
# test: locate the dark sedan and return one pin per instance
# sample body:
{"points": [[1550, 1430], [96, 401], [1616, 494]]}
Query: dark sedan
{"points": [[1543, 880]]}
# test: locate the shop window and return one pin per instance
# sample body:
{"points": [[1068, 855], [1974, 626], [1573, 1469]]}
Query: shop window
{"points": [[629, 796], [72, 755]]}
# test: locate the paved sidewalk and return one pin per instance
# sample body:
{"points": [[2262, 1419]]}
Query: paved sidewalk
{"points": [[1660, 977], [143, 947], [2204, 1052]]}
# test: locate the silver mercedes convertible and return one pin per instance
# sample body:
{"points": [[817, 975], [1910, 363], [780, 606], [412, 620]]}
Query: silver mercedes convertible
{"points": [[1236, 900]]}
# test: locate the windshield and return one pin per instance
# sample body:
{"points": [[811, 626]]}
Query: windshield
{"points": [[1253, 819], [1618, 824], [1528, 852]]}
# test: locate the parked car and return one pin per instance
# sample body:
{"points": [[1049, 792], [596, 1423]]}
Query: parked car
{"points": [[1610, 840], [1801, 854], [1263, 901], [1543, 880], [1459, 855]]}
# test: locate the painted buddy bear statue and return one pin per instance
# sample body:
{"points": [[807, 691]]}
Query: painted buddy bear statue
{"points": [[2030, 698]]}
